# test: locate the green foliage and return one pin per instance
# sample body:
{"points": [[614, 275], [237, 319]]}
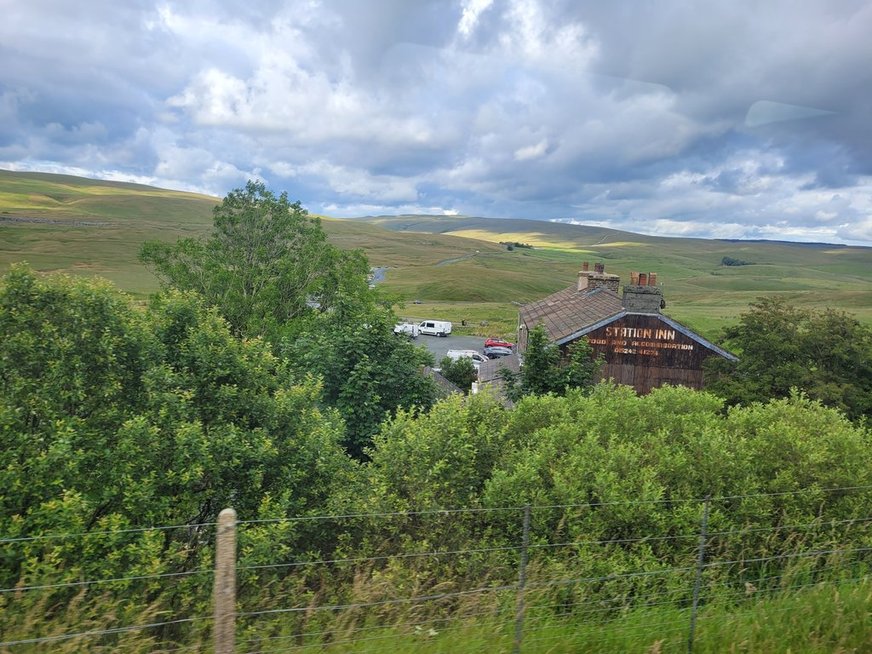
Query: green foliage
{"points": [[731, 261], [73, 358], [266, 267], [461, 372], [115, 417], [112, 417], [826, 354], [544, 370], [367, 372], [611, 477], [263, 265], [511, 245], [437, 459]]}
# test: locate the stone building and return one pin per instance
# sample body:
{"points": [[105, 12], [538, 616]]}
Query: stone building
{"points": [[640, 346]]}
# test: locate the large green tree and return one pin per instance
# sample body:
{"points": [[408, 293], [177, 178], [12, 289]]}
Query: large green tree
{"points": [[115, 417], [826, 354], [367, 371], [162, 416], [545, 370], [265, 264]]}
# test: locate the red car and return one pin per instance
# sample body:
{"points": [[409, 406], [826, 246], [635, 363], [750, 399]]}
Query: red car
{"points": [[498, 342]]}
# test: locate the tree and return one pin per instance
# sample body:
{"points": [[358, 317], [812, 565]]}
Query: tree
{"points": [[545, 371], [113, 415], [266, 263], [826, 354], [115, 418], [367, 371], [461, 372]]}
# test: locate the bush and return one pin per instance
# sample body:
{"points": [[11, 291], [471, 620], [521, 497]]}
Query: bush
{"points": [[461, 372]]}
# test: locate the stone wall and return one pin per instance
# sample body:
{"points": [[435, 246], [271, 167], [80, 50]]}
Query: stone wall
{"points": [[644, 299]]}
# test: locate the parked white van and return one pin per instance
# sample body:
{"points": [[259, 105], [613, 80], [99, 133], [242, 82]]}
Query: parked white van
{"points": [[435, 328], [477, 357]]}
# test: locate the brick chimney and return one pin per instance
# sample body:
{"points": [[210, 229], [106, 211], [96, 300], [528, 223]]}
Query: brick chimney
{"points": [[642, 295], [598, 278]]}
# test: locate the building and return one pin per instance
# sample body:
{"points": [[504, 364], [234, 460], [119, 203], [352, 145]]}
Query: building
{"points": [[640, 347]]}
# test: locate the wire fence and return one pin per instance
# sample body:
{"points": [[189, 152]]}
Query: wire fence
{"points": [[587, 576]]}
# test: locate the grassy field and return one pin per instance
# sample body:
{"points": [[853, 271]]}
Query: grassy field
{"points": [[699, 291], [454, 265], [817, 620], [60, 223]]}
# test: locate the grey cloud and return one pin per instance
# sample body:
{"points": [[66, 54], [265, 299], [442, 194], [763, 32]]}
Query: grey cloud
{"points": [[652, 112]]}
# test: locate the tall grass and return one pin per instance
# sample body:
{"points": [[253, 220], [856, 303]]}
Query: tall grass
{"points": [[826, 618]]}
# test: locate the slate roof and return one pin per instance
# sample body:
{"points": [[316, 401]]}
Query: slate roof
{"points": [[565, 312], [444, 387], [489, 371], [570, 314]]}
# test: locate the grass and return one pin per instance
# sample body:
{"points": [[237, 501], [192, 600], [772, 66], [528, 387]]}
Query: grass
{"points": [[826, 618], [454, 264], [699, 291]]}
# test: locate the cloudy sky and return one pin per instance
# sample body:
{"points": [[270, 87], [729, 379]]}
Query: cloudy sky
{"points": [[733, 119]]}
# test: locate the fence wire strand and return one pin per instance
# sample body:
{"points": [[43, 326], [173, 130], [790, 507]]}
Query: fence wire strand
{"points": [[100, 632], [540, 616], [72, 584], [111, 532]]}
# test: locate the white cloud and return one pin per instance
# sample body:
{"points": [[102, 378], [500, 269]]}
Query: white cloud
{"points": [[531, 151], [356, 210], [357, 183], [661, 116], [472, 9]]}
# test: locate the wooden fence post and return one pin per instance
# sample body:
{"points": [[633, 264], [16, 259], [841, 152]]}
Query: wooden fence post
{"points": [[700, 561], [522, 582], [224, 628]]}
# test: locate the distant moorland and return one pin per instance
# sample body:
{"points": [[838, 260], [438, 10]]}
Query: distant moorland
{"points": [[457, 267]]}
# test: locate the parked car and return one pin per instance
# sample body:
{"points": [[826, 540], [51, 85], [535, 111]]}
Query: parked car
{"points": [[498, 342], [435, 328], [477, 357], [407, 328], [495, 352]]}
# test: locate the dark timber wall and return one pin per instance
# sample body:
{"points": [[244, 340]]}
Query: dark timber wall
{"points": [[645, 352]]}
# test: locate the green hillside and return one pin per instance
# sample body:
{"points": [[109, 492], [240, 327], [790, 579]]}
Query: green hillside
{"points": [[68, 198], [454, 266], [94, 227], [698, 289]]}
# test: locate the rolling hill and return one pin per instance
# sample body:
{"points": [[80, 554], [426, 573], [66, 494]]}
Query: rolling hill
{"points": [[455, 266]]}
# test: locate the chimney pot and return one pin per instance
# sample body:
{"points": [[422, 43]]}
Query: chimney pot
{"points": [[585, 266], [643, 279], [599, 267], [652, 279], [634, 278]]}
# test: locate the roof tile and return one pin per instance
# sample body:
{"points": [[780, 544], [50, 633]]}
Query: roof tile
{"points": [[567, 311]]}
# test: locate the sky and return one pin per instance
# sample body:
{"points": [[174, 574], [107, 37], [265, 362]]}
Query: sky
{"points": [[724, 119]]}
